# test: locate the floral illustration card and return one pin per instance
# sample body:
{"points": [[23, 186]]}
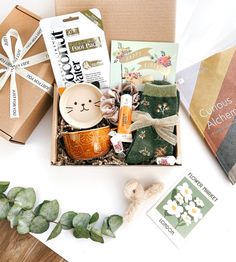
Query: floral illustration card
{"points": [[182, 208], [139, 62]]}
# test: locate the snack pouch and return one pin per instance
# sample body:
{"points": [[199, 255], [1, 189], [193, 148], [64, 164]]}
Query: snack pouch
{"points": [[77, 48]]}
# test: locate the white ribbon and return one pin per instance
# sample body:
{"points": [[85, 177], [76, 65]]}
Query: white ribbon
{"points": [[15, 64]]}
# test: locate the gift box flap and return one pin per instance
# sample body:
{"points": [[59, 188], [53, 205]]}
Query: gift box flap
{"points": [[27, 12], [129, 20]]}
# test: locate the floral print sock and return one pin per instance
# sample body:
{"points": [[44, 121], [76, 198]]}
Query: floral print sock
{"points": [[160, 100]]}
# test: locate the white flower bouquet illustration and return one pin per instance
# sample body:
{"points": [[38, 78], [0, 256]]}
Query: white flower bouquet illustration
{"points": [[186, 208]]}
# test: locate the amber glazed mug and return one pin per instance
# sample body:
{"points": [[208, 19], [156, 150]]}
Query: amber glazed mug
{"points": [[88, 144]]}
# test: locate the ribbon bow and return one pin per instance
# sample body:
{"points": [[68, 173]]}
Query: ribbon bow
{"points": [[163, 126], [14, 64]]}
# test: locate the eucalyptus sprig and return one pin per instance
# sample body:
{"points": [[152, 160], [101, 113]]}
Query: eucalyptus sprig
{"points": [[17, 206]]}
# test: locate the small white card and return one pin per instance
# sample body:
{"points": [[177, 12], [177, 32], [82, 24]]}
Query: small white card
{"points": [[181, 209]]}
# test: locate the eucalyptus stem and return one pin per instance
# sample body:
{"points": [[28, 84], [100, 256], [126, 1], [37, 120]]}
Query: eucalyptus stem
{"points": [[18, 207]]}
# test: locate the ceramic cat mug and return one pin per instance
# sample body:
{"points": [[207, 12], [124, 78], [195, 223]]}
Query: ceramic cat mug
{"points": [[80, 105]]}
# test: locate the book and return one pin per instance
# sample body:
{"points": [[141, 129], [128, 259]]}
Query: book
{"points": [[208, 93], [140, 62]]}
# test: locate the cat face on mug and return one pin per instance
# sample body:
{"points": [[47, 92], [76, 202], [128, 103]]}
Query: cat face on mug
{"points": [[83, 105]]}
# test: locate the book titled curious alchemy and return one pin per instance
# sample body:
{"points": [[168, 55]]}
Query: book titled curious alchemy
{"points": [[208, 92], [139, 62]]}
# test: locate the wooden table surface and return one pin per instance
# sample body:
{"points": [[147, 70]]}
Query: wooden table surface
{"points": [[23, 248]]}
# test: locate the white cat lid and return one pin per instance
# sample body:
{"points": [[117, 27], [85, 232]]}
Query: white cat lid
{"points": [[80, 105]]}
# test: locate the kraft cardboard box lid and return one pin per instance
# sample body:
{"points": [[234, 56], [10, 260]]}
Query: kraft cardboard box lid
{"points": [[139, 20]]}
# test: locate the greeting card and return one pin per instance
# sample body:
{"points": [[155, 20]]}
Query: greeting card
{"points": [[182, 208], [140, 62]]}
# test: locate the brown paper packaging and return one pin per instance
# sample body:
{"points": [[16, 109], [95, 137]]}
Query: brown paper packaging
{"points": [[33, 102], [123, 20], [139, 20]]}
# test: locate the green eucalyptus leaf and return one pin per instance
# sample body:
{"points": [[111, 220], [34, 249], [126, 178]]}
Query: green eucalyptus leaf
{"points": [[94, 218], [12, 215], [50, 210], [56, 232], [4, 208], [106, 229], [81, 232], [66, 220], [26, 217], [23, 229], [96, 235], [4, 186], [39, 225], [37, 209], [114, 222], [26, 198], [93, 221], [11, 195], [24, 220], [82, 219], [2, 196]]}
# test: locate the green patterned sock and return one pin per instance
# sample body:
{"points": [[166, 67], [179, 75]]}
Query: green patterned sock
{"points": [[159, 101]]}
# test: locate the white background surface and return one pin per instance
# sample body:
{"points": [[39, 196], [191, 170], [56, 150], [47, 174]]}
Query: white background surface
{"points": [[90, 189]]}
